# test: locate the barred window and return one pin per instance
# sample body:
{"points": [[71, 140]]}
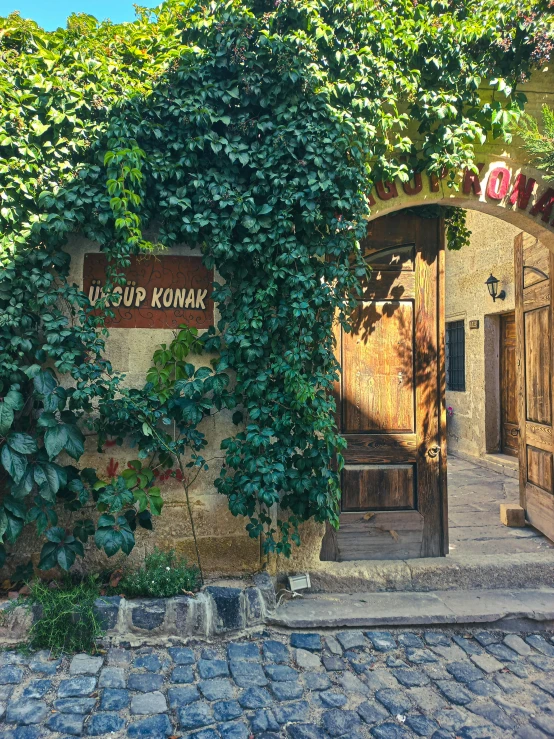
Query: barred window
{"points": [[455, 356]]}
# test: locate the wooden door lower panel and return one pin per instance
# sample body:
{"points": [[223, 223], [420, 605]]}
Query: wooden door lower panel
{"points": [[375, 535]]}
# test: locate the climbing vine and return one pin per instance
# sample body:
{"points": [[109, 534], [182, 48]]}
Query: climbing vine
{"points": [[253, 130]]}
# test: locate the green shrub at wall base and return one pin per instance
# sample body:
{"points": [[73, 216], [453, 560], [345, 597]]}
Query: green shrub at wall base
{"points": [[163, 575]]}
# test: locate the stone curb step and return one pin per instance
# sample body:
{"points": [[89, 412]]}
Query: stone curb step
{"points": [[328, 610], [455, 572], [214, 611]]}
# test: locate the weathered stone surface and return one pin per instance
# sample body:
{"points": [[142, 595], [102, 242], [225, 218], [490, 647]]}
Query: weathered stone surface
{"points": [[105, 723], [148, 614], [77, 687], [26, 712], [307, 660], [145, 683], [487, 663], [286, 712], [311, 642], [338, 723], [351, 640], [114, 699], [146, 704], [112, 677], [539, 642], [255, 698], [44, 666], [227, 710], [107, 610], [117, 656], [248, 674], [217, 689], [395, 701], [66, 723], [330, 699], [212, 668], [10, 675], [287, 691], [454, 692], [149, 662], [464, 672], [228, 608], [179, 697], [372, 713], [245, 651], [255, 610], [150, 728], [233, 730], [84, 664], [334, 664], [305, 731], [275, 651], [181, 655], [75, 705], [281, 673], [316, 681], [484, 688], [411, 678], [182, 674], [382, 641], [37, 689], [196, 715]]}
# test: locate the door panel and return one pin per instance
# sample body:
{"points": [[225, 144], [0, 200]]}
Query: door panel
{"points": [[378, 391], [534, 267], [537, 376], [390, 400], [378, 487], [508, 381]]}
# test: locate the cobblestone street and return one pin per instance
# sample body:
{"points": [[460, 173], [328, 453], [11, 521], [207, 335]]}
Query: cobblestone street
{"points": [[306, 686]]}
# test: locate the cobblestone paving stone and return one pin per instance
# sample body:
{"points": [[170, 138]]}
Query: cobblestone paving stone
{"points": [[387, 685]]}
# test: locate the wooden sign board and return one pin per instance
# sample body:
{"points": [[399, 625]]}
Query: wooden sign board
{"points": [[161, 291]]}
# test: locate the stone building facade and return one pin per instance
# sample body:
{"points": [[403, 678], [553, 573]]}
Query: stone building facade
{"points": [[474, 421], [506, 197]]}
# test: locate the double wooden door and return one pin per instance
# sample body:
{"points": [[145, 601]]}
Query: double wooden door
{"points": [[534, 268], [390, 400]]}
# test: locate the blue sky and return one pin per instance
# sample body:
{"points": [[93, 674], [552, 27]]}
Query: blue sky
{"points": [[50, 14]]}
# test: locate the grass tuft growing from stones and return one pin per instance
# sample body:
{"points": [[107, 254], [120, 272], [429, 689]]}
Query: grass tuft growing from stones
{"points": [[66, 620]]}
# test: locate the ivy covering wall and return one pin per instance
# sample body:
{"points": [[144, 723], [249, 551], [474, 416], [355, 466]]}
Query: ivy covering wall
{"points": [[253, 130]]}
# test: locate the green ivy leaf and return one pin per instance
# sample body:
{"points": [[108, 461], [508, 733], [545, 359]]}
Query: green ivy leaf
{"points": [[22, 443], [55, 440], [14, 463]]}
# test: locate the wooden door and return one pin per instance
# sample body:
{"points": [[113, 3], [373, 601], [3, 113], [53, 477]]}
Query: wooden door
{"points": [[534, 269], [509, 429], [390, 400]]}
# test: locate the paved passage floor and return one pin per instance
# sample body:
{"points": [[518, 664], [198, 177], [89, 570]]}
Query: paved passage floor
{"points": [[474, 497], [350, 684]]}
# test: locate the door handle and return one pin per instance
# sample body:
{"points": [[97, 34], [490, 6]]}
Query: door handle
{"points": [[433, 451], [514, 432]]}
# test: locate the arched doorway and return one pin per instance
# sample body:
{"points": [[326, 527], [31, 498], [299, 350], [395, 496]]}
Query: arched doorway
{"points": [[391, 397]]}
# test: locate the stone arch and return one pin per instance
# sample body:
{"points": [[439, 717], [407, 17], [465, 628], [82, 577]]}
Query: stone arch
{"points": [[513, 192]]}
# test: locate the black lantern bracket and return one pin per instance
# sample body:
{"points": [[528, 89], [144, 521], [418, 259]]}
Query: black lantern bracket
{"points": [[492, 286]]}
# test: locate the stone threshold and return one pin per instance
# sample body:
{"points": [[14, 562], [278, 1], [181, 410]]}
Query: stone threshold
{"points": [[454, 572], [446, 607], [502, 464]]}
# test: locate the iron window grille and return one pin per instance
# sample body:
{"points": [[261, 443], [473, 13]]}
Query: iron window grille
{"points": [[455, 356]]}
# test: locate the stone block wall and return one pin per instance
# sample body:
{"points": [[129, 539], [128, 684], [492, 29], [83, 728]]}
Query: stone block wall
{"points": [[474, 428]]}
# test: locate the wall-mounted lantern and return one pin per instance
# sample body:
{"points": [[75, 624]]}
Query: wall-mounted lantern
{"points": [[492, 285]]}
